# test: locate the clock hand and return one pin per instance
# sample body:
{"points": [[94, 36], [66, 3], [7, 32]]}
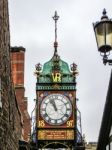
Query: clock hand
{"points": [[53, 104], [60, 112]]}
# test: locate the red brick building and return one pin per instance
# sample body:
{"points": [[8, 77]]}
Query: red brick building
{"points": [[17, 70]]}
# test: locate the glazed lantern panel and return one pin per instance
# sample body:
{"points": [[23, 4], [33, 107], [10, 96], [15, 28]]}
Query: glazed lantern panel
{"points": [[103, 32]]}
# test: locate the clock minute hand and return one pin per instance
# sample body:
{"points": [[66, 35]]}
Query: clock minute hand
{"points": [[54, 104]]}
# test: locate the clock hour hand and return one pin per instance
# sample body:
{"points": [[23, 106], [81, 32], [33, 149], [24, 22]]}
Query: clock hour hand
{"points": [[53, 104]]}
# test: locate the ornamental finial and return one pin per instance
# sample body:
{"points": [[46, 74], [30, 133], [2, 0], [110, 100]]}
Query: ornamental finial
{"points": [[55, 18], [104, 13]]}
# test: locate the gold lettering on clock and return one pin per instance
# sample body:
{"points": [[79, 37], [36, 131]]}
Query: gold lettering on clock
{"points": [[56, 77], [70, 123], [41, 123]]}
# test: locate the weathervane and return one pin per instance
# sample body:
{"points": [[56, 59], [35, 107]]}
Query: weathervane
{"points": [[55, 18]]}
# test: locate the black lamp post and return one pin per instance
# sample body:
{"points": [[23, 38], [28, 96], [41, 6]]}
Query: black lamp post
{"points": [[103, 33]]}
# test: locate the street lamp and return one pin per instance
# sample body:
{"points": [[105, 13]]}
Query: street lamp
{"points": [[103, 34]]}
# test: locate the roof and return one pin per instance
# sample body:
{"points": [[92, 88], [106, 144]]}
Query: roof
{"points": [[56, 65], [64, 68], [106, 120]]}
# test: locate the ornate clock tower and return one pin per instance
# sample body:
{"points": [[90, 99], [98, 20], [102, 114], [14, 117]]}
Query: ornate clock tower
{"points": [[56, 113]]}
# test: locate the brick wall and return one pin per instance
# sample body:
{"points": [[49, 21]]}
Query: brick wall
{"points": [[10, 115], [17, 65]]}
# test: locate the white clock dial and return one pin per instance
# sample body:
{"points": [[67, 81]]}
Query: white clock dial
{"points": [[56, 109]]}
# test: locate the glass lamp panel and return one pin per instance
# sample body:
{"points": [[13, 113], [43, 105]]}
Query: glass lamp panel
{"points": [[100, 35], [110, 131], [111, 146], [107, 147], [109, 34]]}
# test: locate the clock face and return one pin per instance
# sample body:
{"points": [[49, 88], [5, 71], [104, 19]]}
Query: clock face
{"points": [[56, 109]]}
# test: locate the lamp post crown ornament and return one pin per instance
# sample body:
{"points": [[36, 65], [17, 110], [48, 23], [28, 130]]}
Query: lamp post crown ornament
{"points": [[104, 15], [104, 11]]}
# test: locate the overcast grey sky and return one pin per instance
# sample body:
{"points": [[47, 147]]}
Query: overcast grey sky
{"points": [[32, 27]]}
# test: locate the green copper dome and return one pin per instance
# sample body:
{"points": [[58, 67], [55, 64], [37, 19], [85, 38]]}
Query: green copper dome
{"points": [[64, 68], [58, 66]]}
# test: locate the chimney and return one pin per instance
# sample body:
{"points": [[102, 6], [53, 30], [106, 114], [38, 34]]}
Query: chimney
{"points": [[17, 65]]}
